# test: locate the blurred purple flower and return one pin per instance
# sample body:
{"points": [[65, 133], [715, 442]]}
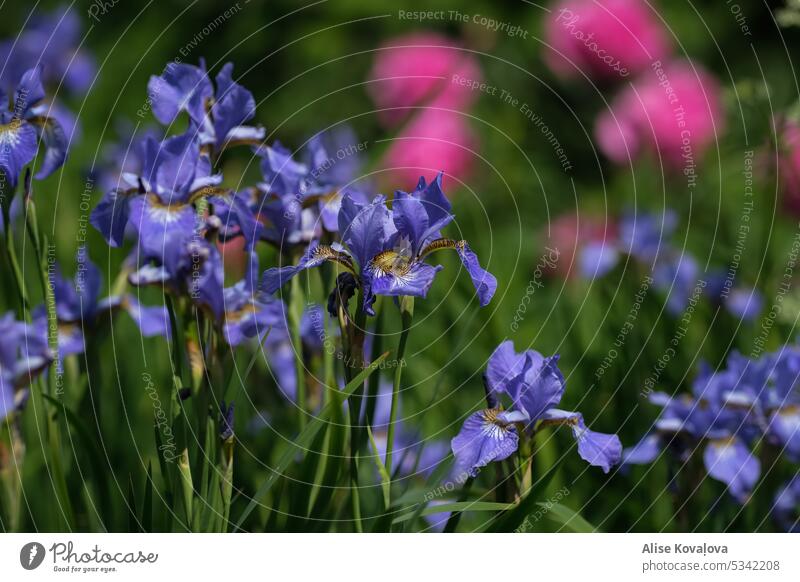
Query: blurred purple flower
{"points": [[786, 505], [51, 40], [24, 354]]}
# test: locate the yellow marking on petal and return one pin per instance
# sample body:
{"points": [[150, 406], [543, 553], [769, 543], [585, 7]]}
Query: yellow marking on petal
{"points": [[11, 126], [442, 243], [327, 253], [239, 314], [391, 263], [207, 191]]}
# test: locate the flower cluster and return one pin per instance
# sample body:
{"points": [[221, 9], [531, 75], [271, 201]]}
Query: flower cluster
{"points": [[172, 202], [170, 199], [729, 411], [534, 385]]}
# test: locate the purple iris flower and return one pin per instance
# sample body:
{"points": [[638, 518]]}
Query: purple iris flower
{"points": [[745, 303], [387, 248], [770, 387], [23, 355], [79, 306], [189, 266], [597, 258], [51, 40], [786, 505], [645, 235], [300, 198], [161, 191], [175, 176], [712, 415], [23, 124], [677, 276], [219, 114], [535, 387]]}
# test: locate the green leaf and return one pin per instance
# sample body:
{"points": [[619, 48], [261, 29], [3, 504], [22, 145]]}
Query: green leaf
{"points": [[386, 480], [567, 517], [305, 438], [461, 506]]}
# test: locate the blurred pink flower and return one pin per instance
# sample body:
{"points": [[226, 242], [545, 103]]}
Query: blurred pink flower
{"points": [[605, 39], [417, 70], [789, 164], [569, 234], [674, 110], [434, 140]]}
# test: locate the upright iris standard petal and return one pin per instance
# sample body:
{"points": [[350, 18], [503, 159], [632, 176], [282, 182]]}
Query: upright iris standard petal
{"points": [[730, 461], [29, 92], [486, 436], [436, 204], [234, 105], [181, 87], [282, 174], [504, 365], [411, 219], [368, 232], [543, 386], [596, 448]]}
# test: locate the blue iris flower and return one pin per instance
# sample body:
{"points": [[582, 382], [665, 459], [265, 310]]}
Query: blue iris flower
{"points": [[24, 354], [727, 412], [387, 249], [79, 306], [535, 386], [23, 124], [300, 198], [219, 114], [51, 40]]}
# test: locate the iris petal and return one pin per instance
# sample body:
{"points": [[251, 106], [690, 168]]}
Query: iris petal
{"points": [[483, 438], [730, 461]]}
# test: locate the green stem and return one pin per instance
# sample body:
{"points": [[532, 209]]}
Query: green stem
{"points": [[296, 305], [407, 315], [13, 261]]}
